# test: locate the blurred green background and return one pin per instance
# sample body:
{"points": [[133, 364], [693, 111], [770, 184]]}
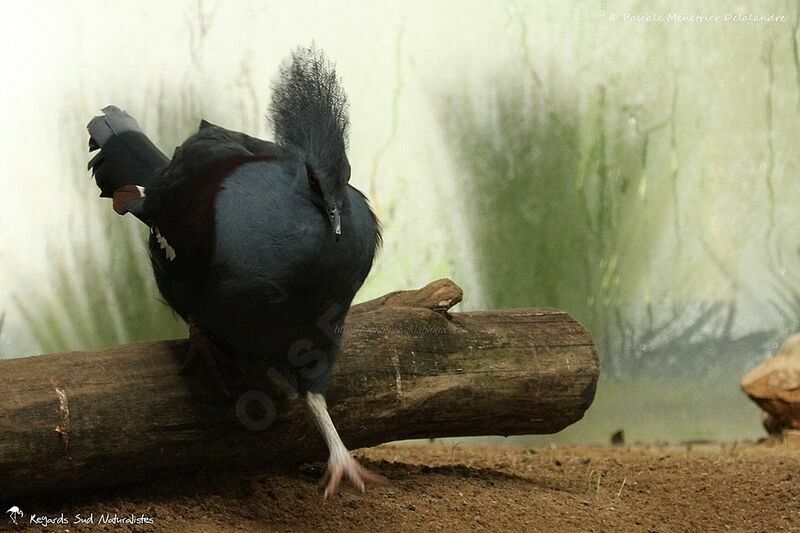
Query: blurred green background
{"points": [[640, 175]]}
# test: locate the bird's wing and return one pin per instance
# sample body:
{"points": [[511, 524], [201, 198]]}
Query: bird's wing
{"points": [[182, 206]]}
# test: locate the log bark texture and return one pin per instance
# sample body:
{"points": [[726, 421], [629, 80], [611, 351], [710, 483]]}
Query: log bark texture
{"points": [[408, 369]]}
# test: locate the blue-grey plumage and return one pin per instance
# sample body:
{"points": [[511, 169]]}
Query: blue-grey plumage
{"points": [[260, 245], [278, 274]]}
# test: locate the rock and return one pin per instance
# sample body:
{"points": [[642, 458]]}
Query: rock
{"points": [[790, 347], [791, 437], [774, 427], [775, 386]]}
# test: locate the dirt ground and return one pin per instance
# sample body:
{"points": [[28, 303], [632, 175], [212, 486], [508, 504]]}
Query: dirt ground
{"points": [[704, 487]]}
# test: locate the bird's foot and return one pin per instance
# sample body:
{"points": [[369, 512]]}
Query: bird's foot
{"points": [[200, 344], [341, 466]]}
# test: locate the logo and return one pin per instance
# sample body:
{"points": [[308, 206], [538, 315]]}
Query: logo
{"points": [[14, 513]]}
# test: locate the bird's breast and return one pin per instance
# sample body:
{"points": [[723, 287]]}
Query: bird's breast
{"points": [[267, 233], [277, 269]]}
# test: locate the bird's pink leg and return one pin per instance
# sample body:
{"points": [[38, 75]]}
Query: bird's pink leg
{"points": [[341, 466]]}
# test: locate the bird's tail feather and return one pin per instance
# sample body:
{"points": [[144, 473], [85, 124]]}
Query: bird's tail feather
{"points": [[309, 110], [126, 157]]}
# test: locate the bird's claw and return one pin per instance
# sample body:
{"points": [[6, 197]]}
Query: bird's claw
{"points": [[346, 468]]}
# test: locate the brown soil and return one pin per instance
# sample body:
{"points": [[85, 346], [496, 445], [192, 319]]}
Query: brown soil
{"points": [[680, 488]]}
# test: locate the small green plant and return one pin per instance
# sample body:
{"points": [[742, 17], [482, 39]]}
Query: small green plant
{"points": [[595, 479], [622, 486], [453, 449], [529, 453]]}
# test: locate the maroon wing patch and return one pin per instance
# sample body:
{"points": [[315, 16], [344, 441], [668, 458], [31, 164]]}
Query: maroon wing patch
{"points": [[184, 225]]}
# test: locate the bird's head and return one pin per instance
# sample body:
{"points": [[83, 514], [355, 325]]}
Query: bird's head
{"points": [[330, 185], [309, 114]]}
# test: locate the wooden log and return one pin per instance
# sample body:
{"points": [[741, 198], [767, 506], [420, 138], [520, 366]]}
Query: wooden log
{"points": [[408, 369]]}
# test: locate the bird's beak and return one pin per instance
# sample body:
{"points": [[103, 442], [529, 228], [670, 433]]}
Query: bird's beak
{"points": [[336, 222]]}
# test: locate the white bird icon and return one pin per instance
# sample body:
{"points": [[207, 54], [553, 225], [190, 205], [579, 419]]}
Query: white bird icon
{"points": [[14, 513]]}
